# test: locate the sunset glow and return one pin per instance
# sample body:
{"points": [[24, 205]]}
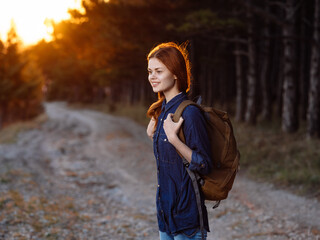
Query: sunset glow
{"points": [[30, 17]]}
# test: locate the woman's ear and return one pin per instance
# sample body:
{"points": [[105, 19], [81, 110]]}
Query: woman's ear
{"points": [[175, 77]]}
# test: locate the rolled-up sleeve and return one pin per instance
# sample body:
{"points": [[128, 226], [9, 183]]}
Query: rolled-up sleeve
{"points": [[197, 139]]}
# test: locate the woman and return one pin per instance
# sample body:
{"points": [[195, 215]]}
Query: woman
{"points": [[169, 76]]}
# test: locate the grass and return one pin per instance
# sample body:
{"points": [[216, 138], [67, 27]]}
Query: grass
{"points": [[267, 154], [41, 213], [135, 112], [289, 161], [9, 133]]}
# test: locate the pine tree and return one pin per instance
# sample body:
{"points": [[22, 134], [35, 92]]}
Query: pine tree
{"points": [[313, 115]]}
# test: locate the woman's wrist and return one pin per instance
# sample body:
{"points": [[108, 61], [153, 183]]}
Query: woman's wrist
{"points": [[173, 139], [181, 147]]}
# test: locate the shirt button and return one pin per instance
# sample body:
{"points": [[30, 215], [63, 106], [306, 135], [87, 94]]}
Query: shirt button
{"points": [[158, 185]]}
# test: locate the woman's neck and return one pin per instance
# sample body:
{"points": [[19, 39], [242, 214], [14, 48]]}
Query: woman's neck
{"points": [[171, 95]]}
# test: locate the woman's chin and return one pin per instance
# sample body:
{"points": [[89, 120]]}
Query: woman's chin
{"points": [[155, 90]]}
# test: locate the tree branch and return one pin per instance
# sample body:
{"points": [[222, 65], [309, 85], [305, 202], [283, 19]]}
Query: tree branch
{"points": [[239, 52], [278, 4], [263, 13]]}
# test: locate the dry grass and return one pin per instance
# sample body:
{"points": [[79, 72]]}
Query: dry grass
{"points": [[39, 212], [135, 112], [9, 133], [267, 154], [290, 160]]}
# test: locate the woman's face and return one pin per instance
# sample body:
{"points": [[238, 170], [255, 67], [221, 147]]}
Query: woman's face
{"points": [[160, 78]]}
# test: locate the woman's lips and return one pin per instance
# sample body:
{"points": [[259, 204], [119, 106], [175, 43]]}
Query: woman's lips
{"points": [[154, 84]]}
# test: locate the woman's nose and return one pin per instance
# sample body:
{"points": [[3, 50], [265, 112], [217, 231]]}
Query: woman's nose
{"points": [[152, 75]]}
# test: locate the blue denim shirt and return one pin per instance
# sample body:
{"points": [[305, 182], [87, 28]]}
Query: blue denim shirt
{"points": [[176, 201]]}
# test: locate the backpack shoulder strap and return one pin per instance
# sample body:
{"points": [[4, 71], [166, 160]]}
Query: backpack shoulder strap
{"points": [[178, 114], [181, 107], [194, 176]]}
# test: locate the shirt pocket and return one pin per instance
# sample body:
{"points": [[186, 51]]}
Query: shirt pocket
{"points": [[167, 151]]}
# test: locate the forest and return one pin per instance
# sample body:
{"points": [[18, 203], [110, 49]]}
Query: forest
{"points": [[258, 60], [75, 159]]}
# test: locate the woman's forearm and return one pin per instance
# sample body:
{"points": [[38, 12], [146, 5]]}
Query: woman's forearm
{"points": [[182, 148]]}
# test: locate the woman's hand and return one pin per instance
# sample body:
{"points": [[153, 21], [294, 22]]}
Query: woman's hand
{"points": [[150, 128], [171, 128]]}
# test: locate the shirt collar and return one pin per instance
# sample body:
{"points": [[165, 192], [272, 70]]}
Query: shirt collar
{"points": [[175, 99]]}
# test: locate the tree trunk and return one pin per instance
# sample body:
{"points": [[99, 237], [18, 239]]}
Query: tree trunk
{"points": [[266, 101], [313, 115], [195, 83], [239, 83], [277, 66], [289, 107], [303, 65], [131, 91], [279, 90], [250, 116], [203, 79], [142, 91], [3, 113], [207, 76], [210, 87]]}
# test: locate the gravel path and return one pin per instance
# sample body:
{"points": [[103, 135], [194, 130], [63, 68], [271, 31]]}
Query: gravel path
{"points": [[88, 175]]}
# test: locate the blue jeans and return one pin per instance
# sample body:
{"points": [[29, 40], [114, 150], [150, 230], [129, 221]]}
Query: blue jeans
{"points": [[197, 236]]}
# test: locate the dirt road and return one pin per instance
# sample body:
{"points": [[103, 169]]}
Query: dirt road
{"points": [[87, 175]]}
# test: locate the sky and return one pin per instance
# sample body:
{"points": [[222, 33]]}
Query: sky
{"points": [[29, 17]]}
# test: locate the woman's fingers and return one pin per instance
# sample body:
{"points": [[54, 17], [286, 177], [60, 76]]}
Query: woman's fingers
{"points": [[171, 128], [150, 128], [169, 117], [180, 121], [169, 124]]}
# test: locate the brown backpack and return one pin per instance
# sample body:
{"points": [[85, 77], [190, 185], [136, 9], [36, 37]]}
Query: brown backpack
{"points": [[225, 155]]}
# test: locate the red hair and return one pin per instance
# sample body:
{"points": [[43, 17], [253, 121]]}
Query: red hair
{"points": [[175, 58]]}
